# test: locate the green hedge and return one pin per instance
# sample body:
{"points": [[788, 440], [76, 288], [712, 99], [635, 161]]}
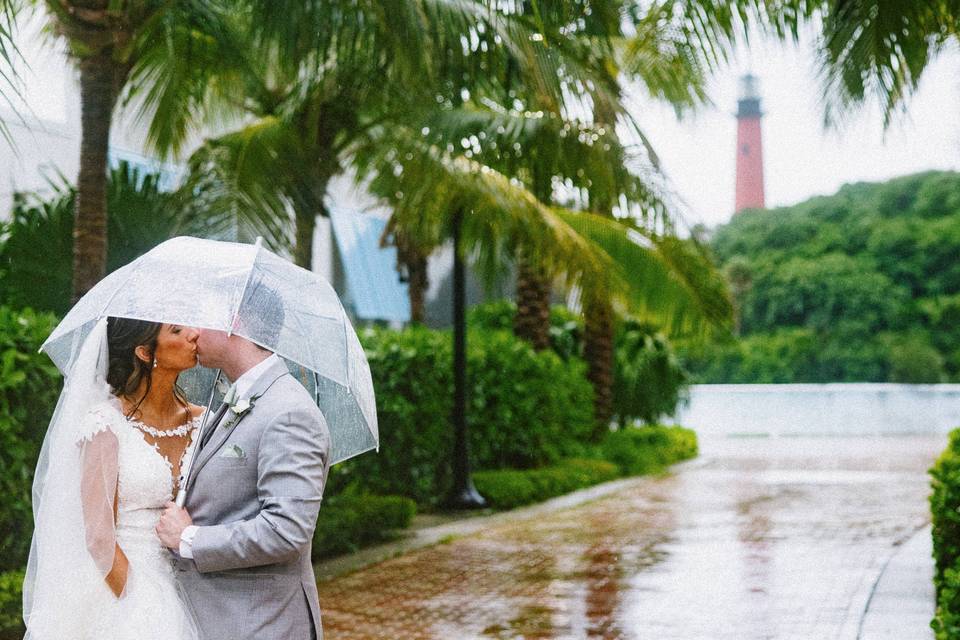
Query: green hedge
{"points": [[347, 523], [639, 450], [526, 409], [946, 621], [944, 505], [633, 451], [29, 386], [509, 488], [11, 605]]}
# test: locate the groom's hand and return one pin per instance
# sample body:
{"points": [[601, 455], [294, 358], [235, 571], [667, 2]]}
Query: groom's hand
{"points": [[173, 521]]}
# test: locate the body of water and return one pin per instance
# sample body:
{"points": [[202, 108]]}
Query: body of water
{"points": [[821, 409]]}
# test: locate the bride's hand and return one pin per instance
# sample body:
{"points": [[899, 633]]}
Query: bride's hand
{"points": [[117, 578]]}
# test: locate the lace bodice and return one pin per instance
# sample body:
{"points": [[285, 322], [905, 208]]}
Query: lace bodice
{"points": [[144, 476]]}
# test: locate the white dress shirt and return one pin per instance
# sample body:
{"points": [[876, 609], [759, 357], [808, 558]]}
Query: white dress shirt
{"points": [[242, 387]]}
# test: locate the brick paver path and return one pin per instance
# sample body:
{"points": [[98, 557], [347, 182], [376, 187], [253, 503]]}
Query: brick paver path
{"points": [[768, 538]]}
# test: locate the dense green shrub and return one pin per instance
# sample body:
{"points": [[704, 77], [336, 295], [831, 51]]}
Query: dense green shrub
{"points": [[509, 488], [566, 327], [29, 386], [648, 380], [348, 522], [946, 620], [525, 409], [648, 449], [632, 451], [36, 244], [944, 505], [11, 605], [413, 382]]}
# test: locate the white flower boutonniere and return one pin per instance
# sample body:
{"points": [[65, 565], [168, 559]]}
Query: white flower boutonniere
{"points": [[239, 408]]}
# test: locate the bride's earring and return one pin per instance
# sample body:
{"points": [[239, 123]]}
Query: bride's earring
{"points": [[154, 362]]}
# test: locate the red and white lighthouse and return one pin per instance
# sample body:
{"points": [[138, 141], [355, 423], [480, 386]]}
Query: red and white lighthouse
{"points": [[749, 193]]}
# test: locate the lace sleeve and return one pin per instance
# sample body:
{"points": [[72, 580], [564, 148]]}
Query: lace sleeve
{"points": [[98, 492]]}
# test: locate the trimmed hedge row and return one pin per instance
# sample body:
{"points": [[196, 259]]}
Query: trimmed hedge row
{"points": [[634, 451], [509, 488], [640, 450], [526, 409], [945, 517], [348, 523]]}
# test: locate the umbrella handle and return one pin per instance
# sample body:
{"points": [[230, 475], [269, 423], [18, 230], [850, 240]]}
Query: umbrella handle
{"points": [[182, 494]]}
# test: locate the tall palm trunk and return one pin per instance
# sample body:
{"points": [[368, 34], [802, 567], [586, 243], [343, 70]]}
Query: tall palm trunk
{"points": [[305, 220], [598, 318], [413, 260], [100, 78], [532, 322], [598, 351]]}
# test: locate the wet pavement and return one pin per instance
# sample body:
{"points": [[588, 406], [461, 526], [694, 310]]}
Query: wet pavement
{"points": [[761, 538]]}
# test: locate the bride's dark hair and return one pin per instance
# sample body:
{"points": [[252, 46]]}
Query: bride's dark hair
{"points": [[125, 370]]}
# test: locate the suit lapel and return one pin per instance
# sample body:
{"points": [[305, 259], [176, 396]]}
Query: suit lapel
{"points": [[208, 429], [221, 432]]}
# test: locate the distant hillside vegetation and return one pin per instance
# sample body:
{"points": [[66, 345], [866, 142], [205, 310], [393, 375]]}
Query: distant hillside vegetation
{"points": [[863, 285]]}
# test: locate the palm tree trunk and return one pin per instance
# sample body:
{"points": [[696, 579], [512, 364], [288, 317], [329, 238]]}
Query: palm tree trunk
{"points": [[306, 224], [598, 351], [99, 76], [413, 260], [532, 322], [598, 317]]}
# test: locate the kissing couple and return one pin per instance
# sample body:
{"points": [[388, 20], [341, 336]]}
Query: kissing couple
{"points": [[114, 556]]}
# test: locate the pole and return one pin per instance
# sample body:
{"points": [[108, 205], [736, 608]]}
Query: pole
{"points": [[463, 494]]}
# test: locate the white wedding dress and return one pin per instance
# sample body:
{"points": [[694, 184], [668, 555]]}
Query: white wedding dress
{"points": [[150, 607]]}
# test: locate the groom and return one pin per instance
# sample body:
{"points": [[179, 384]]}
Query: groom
{"points": [[245, 533]]}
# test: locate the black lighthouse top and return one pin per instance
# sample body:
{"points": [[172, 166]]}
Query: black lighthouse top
{"points": [[748, 106]]}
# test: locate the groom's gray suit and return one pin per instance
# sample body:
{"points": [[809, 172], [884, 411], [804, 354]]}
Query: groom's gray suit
{"points": [[254, 491]]}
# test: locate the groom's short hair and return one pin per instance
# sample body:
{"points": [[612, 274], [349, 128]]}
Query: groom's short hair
{"points": [[261, 314]]}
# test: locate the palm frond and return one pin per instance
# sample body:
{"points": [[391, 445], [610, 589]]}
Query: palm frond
{"points": [[664, 280], [9, 54], [426, 185], [879, 49], [190, 64], [241, 184]]}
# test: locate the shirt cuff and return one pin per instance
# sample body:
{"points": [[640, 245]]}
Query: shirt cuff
{"points": [[186, 541]]}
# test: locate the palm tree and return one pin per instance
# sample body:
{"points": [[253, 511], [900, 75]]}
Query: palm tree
{"points": [[881, 49], [336, 72], [107, 41]]}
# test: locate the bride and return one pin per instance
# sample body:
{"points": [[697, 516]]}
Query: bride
{"points": [[110, 462]]}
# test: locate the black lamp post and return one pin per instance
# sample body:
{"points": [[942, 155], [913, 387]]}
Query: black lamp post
{"points": [[463, 495]]}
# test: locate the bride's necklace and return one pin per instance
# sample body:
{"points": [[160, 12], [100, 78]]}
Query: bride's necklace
{"points": [[175, 432], [182, 430]]}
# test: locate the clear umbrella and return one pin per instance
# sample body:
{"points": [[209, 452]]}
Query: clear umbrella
{"points": [[246, 290]]}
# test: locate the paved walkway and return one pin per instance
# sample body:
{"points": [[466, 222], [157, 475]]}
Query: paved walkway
{"points": [[776, 538]]}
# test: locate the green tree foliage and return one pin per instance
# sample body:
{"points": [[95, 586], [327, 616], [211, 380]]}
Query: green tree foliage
{"points": [[648, 378], [863, 285], [28, 393], [36, 244]]}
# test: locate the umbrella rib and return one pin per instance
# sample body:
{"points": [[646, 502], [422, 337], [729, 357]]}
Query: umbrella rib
{"points": [[246, 283]]}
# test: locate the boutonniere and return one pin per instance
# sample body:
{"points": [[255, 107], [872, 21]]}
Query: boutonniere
{"points": [[239, 408]]}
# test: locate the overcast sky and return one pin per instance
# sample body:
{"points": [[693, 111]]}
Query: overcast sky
{"points": [[801, 158]]}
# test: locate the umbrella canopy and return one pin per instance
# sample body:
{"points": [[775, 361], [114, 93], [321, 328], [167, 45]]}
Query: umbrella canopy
{"points": [[246, 290]]}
